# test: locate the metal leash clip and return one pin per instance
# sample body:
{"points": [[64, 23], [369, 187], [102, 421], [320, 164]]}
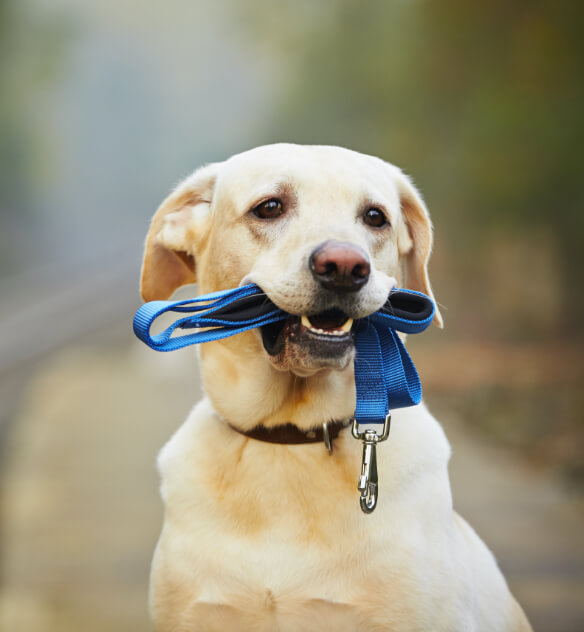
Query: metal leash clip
{"points": [[368, 483]]}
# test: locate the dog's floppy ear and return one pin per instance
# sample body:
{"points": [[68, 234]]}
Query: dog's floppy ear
{"points": [[415, 240], [176, 228]]}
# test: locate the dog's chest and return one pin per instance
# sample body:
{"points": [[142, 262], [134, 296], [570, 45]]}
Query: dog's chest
{"points": [[270, 538], [342, 572], [293, 586]]}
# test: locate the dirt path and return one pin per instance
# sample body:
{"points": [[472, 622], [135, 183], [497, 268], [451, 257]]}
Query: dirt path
{"points": [[81, 514]]}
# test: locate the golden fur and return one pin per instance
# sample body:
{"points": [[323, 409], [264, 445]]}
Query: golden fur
{"points": [[264, 537]]}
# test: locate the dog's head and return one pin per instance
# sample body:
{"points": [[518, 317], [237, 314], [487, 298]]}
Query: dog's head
{"points": [[324, 231]]}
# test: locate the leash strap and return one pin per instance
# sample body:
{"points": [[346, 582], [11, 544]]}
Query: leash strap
{"points": [[380, 352], [385, 376]]}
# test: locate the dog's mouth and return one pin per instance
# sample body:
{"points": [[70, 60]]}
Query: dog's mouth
{"points": [[331, 322], [326, 334]]}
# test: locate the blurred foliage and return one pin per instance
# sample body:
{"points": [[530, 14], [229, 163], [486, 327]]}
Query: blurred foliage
{"points": [[32, 54], [481, 102]]}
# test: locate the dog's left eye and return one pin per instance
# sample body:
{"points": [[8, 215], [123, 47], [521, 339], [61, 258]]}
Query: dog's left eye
{"points": [[375, 217], [270, 209]]}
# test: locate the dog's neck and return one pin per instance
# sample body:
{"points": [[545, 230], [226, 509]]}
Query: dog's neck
{"points": [[247, 391]]}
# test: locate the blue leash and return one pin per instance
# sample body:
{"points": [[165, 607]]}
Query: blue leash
{"points": [[380, 352]]}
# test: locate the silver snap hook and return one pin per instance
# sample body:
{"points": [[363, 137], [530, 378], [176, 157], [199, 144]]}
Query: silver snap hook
{"points": [[368, 483]]}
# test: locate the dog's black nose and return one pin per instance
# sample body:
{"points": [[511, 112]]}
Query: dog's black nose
{"points": [[340, 266]]}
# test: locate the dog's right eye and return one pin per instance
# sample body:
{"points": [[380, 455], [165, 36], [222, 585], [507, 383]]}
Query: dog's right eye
{"points": [[270, 209]]}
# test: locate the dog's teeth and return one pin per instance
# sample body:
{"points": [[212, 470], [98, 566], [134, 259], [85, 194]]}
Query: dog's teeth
{"points": [[347, 326], [340, 331]]}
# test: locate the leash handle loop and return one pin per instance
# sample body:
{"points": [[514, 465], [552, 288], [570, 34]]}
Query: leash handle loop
{"points": [[212, 312]]}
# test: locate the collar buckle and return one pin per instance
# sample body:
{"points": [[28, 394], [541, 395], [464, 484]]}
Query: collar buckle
{"points": [[327, 438]]}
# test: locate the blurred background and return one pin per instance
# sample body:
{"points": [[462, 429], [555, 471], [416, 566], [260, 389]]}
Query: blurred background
{"points": [[106, 105]]}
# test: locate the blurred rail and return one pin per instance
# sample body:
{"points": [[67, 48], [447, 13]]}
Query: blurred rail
{"points": [[40, 311]]}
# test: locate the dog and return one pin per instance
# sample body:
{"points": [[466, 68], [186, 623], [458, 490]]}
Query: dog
{"points": [[266, 536]]}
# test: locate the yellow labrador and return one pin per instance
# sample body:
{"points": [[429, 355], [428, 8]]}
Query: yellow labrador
{"points": [[264, 536]]}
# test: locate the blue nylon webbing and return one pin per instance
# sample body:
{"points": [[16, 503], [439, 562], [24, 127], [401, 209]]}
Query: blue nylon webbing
{"points": [[385, 376]]}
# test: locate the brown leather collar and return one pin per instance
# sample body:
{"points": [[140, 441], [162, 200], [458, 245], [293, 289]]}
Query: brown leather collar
{"points": [[289, 434]]}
